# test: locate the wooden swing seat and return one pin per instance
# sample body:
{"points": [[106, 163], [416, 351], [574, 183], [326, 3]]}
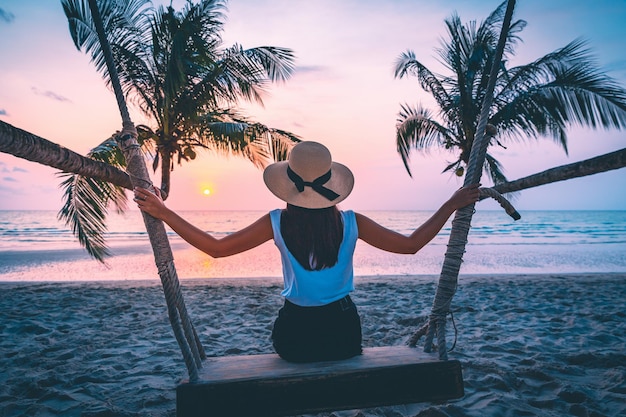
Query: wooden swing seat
{"points": [[265, 385]]}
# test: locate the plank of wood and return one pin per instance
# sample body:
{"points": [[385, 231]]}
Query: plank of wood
{"points": [[265, 385]]}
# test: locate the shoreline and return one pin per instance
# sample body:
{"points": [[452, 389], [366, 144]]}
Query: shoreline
{"points": [[360, 279]]}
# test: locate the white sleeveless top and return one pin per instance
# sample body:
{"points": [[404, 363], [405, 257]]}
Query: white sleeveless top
{"points": [[315, 288]]}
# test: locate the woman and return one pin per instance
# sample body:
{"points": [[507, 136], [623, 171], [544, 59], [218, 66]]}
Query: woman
{"points": [[316, 241]]}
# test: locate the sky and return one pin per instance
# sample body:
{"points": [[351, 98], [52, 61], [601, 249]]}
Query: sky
{"points": [[342, 94]]}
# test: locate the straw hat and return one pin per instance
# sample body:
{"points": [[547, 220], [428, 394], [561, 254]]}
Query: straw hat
{"points": [[310, 178]]}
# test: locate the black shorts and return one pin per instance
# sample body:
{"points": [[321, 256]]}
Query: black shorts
{"points": [[311, 334]]}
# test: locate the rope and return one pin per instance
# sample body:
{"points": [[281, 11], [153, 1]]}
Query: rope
{"points": [[189, 356], [184, 331], [504, 203], [412, 342], [445, 291], [190, 331], [461, 223], [448, 281], [185, 334]]}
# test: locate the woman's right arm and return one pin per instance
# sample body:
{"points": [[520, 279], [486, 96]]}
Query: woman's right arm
{"points": [[240, 241]]}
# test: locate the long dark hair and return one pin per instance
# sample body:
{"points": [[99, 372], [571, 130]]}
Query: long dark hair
{"points": [[313, 236]]}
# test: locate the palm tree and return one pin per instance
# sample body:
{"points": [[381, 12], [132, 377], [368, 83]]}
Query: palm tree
{"points": [[173, 67], [536, 100], [482, 98]]}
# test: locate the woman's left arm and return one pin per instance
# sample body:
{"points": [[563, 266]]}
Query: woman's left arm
{"points": [[390, 241]]}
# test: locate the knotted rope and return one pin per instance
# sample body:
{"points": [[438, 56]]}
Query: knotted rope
{"points": [[186, 336], [446, 289], [462, 220], [184, 332]]}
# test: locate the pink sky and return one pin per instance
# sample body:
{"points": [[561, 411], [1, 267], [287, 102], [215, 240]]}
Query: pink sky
{"points": [[343, 95]]}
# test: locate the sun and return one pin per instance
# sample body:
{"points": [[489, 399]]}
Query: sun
{"points": [[206, 188]]}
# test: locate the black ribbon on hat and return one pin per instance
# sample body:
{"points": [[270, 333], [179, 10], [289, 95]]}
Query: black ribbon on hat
{"points": [[317, 184]]}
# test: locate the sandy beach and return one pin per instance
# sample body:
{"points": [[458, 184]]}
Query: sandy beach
{"points": [[531, 345]]}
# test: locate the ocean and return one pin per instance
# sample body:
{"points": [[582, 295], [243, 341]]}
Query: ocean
{"points": [[539, 321], [36, 246]]}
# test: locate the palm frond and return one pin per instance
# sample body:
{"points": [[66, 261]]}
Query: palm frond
{"points": [[86, 201], [228, 133], [493, 169], [407, 64], [415, 128], [561, 89], [268, 145], [278, 64], [453, 165], [228, 129], [588, 97], [493, 25], [124, 24], [281, 142], [85, 211], [234, 77], [257, 142]]}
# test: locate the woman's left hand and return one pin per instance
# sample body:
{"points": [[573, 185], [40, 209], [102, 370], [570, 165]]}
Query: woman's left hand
{"points": [[465, 196]]}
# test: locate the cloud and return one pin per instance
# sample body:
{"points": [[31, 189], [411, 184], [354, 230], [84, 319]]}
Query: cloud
{"points": [[5, 168], [3, 112], [307, 69], [50, 94], [12, 176], [314, 72], [8, 17]]}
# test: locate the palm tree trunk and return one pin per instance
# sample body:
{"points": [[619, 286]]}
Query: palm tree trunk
{"points": [[184, 332], [463, 217], [602, 163], [25, 145], [166, 171]]}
